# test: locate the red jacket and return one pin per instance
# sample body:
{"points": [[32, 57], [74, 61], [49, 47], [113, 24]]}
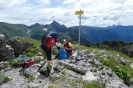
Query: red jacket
{"points": [[49, 41], [67, 47]]}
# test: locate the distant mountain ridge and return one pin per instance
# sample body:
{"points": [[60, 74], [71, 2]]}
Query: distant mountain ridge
{"points": [[88, 34], [125, 30], [11, 30], [99, 34]]}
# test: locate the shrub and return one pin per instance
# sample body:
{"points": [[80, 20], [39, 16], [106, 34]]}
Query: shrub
{"points": [[121, 73], [38, 60], [4, 78], [50, 86], [86, 84], [15, 63], [93, 84]]}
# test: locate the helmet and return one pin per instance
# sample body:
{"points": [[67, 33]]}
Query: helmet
{"points": [[53, 34]]}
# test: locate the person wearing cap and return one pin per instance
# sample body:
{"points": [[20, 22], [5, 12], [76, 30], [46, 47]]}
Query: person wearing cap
{"points": [[68, 47]]}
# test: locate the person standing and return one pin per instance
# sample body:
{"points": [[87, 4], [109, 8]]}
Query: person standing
{"points": [[47, 42]]}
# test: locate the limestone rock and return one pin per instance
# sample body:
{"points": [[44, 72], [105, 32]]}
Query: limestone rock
{"points": [[18, 45], [6, 51], [3, 65]]}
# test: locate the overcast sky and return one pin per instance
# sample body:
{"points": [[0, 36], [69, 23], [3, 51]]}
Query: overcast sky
{"points": [[96, 12]]}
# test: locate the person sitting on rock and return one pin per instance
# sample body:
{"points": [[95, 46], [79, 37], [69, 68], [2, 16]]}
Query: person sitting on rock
{"points": [[68, 47]]}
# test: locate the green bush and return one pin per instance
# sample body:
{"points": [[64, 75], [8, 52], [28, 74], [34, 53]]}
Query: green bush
{"points": [[29, 54], [4, 78], [121, 73], [38, 60], [50, 86], [86, 84], [15, 63], [108, 62], [93, 84]]}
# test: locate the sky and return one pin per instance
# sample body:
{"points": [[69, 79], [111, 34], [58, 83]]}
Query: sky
{"points": [[100, 13]]}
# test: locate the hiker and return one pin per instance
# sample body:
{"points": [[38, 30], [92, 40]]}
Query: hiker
{"points": [[62, 54], [47, 42], [68, 47]]}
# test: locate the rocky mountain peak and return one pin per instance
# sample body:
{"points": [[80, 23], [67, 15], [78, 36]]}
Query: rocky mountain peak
{"points": [[54, 23]]}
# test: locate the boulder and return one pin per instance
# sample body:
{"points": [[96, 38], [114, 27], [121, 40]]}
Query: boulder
{"points": [[6, 51], [128, 49], [73, 67], [18, 45], [122, 61]]}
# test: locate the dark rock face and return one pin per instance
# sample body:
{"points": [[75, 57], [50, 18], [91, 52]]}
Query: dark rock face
{"points": [[18, 45], [6, 52], [128, 49]]}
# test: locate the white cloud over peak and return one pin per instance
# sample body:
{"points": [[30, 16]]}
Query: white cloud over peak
{"points": [[96, 12]]}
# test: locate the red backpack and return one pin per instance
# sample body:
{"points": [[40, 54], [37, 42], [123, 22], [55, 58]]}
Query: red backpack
{"points": [[49, 41], [29, 62]]}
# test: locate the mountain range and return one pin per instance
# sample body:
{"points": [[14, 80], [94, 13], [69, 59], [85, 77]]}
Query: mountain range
{"points": [[88, 34]]}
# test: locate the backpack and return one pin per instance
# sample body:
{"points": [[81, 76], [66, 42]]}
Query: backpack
{"points": [[28, 62], [46, 69], [49, 40], [62, 53]]}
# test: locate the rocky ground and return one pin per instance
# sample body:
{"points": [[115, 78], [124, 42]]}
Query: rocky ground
{"points": [[76, 67]]}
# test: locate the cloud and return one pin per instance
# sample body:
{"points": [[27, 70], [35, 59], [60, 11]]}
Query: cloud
{"points": [[56, 3], [118, 1], [96, 12], [69, 1], [7, 3]]}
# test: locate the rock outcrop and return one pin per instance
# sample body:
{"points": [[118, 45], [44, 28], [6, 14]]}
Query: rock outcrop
{"points": [[6, 51], [18, 45], [128, 49], [82, 66]]}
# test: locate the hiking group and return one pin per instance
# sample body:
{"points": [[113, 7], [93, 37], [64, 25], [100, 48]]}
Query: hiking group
{"points": [[63, 52]]}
